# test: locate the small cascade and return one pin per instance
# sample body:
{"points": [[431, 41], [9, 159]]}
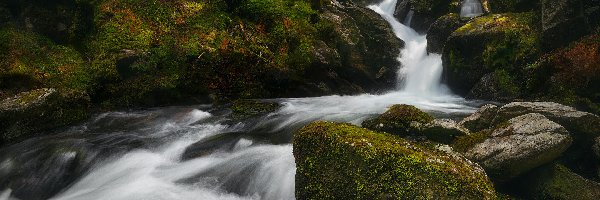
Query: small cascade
{"points": [[471, 8], [408, 18]]}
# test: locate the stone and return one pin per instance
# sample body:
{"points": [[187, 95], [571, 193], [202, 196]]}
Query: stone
{"points": [[496, 86], [342, 161], [399, 119], [555, 181], [440, 30], [39, 111], [526, 142]]}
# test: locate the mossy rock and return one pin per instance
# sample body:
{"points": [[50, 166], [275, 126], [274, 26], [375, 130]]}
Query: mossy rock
{"points": [[399, 119], [40, 111], [245, 108], [440, 30], [342, 161], [495, 42], [555, 181]]}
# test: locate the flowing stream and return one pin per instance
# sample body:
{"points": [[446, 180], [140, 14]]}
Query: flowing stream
{"points": [[142, 154]]}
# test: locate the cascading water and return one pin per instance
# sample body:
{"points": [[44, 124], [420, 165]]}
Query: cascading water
{"points": [[140, 155], [470, 8]]}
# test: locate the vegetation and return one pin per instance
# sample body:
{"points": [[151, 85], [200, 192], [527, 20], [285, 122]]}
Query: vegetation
{"points": [[399, 119]]}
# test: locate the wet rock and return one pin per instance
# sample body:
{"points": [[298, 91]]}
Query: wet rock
{"points": [[399, 119], [206, 146], [36, 112], [440, 30], [443, 130], [397, 168], [425, 12], [489, 43], [556, 181], [525, 142], [246, 108], [481, 119]]}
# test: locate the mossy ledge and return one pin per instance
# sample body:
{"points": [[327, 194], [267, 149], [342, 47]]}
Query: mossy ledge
{"points": [[399, 119], [342, 161]]}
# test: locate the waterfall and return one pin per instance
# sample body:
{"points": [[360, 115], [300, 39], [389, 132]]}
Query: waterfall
{"points": [[408, 18], [470, 8], [420, 72]]}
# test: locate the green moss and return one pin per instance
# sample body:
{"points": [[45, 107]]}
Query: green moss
{"points": [[398, 119], [466, 142], [506, 83], [249, 108], [341, 161]]}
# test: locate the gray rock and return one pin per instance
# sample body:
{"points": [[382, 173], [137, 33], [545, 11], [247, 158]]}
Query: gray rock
{"points": [[481, 119], [527, 142], [580, 124], [443, 130], [495, 86], [563, 21], [440, 30]]}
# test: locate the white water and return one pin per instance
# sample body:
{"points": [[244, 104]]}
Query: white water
{"points": [[470, 8], [252, 170]]}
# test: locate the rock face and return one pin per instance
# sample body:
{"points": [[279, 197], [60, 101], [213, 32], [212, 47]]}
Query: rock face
{"points": [[488, 44], [425, 12], [528, 141], [341, 161], [35, 112], [440, 30], [563, 21], [443, 131], [504, 6], [399, 119], [358, 55], [556, 181]]}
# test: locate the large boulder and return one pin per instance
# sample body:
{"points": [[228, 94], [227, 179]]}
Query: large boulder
{"points": [[440, 30], [526, 142], [399, 119], [487, 44], [342, 161], [38, 111], [580, 124]]}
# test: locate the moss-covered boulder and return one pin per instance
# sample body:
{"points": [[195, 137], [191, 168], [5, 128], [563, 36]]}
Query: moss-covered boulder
{"points": [[399, 119], [36, 112], [245, 108], [342, 161], [481, 119], [564, 21], [440, 30], [555, 181], [489, 43]]}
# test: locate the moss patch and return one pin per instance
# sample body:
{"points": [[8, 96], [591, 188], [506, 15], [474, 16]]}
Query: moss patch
{"points": [[341, 161], [398, 119]]}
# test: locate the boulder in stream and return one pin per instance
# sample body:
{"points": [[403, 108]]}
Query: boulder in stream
{"points": [[342, 161], [400, 119], [38, 111], [519, 145], [443, 131]]}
